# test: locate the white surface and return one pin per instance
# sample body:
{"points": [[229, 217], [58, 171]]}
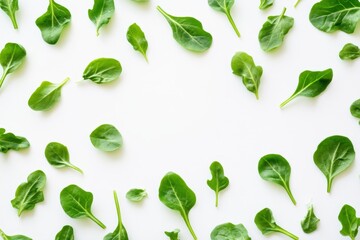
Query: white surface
{"points": [[178, 113]]}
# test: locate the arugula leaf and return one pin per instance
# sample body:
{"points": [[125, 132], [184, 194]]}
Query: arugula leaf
{"points": [[311, 84], [102, 70], [15, 237], [176, 195], [218, 181], [275, 168], [136, 195], [77, 203], [274, 30], [243, 65], [188, 32], [101, 13], [58, 156], [265, 222], [53, 22], [349, 221], [106, 138], [310, 222], [120, 231], [29, 193], [349, 52], [229, 231], [174, 235], [264, 4], [334, 155], [225, 7], [11, 58], [46, 95], [8, 141], [355, 108], [66, 233], [333, 15], [10, 7], [136, 38]]}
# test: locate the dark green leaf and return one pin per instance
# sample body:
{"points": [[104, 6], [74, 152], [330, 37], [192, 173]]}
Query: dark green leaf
{"points": [[349, 52], [264, 4], [106, 138], [310, 222], [349, 221], [334, 155], [58, 156], [311, 84], [275, 168], [188, 32], [136, 195], [136, 38], [243, 65], [77, 203], [176, 195], [101, 13], [225, 7], [332, 15], [103, 70], [174, 235], [53, 22], [218, 181], [355, 108], [29, 193], [272, 33], [8, 141], [66, 233], [10, 7], [229, 231], [120, 231], [15, 237]]}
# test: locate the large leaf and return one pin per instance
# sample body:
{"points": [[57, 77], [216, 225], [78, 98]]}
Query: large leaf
{"points": [[8, 141], [58, 156], [10, 7], [102, 70], [229, 231], [15, 237], [136, 38], [106, 138], [349, 221]]}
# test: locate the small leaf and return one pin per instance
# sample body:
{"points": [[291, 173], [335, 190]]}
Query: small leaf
{"points": [[355, 108], [103, 70], [66, 233], [10, 7], [136, 38], [225, 6], [349, 221], [120, 231], [136, 195], [229, 231], [101, 13], [8, 141], [219, 181], [15, 237], [173, 235], [106, 138], [349, 52], [310, 222], [264, 4], [58, 156]]}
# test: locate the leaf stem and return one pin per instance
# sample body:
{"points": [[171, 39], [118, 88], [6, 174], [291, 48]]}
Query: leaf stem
{"points": [[187, 222], [13, 19], [97, 221], [329, 184], [287, 233], [118, 211], [283, 12], [297, 3], [3, 76], [290, 195], [64, 82], [287, 100], [231, 20], [70, 165], [162, 12]]}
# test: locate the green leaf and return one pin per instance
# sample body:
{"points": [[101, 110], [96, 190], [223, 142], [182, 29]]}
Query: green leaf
{"points": [[349, 221], [8, 141], [136, 195], [229, 231], [188, 32], [11, 58], [58, 156], [66, 233], [311, 84], [243, 66], [15, 237], [29, 193], [120, 231], [333, 15], [265, 222], [46, 95], [103, 70], [274, 30], [10, 7], [225, 7], [106, 138], [264, 4], [101, 13], [53, 22], [140, 1], [355, 108], [334, 155], [275, 168], [310, 222], [219, 181], [174, 235], [77, 203], [349, 52], [136, 38], [176, 195]]}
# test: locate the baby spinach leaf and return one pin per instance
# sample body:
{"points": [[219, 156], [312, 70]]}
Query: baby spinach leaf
{"points": [[243, 66], [264, 4], [218, 181], [106, 138], [11, 58], [265, 222], [311, 84], [29, 193], [225, 7], [188, 32], [332, 15], [101, 13], [275, 168], [229, 231], [77, 203], [10, 7], [174, 235], [349, 52], [176, 195], [120, 231], [310, 222], [272, 33], [136, 195], [8, 141], [46, 95], [53, 22], [136, 38], [334, 155], [103, 70], [349, 221], [15, 237], [354, 109], [58, 156], [66, 233]]}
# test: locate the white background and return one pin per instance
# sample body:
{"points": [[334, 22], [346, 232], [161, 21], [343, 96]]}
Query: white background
{"points": [[178, 113]]}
